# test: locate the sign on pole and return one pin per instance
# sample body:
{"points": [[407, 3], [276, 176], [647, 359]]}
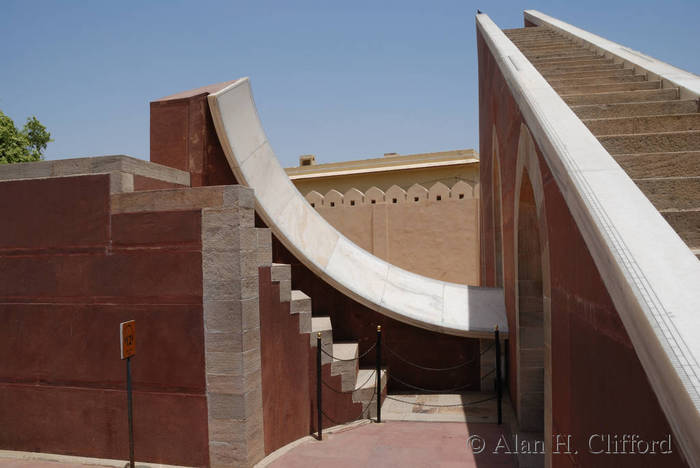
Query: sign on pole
{"points": [[127, 333]]}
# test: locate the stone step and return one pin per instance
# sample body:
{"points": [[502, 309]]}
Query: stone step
{"points": [[631, 109], [529, 31], [646, 95], [346, 364], [282, 273], [584, 55], [563, 60], [651, 142], [322, 325], [596, 80], [556, 75], [608, 88], [686, 224], [645, 124], [365, 388], [553, 41], [552, 47], [573, 67], [672, 193], [594, 60], [672, 164], [301, 304]]}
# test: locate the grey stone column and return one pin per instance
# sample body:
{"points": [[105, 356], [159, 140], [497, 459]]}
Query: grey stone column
{"points": [[232, 330]]}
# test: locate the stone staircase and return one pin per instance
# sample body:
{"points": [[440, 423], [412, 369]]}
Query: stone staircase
{"points": [[652, 133], [361, 382]]}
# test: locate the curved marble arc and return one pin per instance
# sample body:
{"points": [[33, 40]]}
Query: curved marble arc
{"points": [[424, 302]]}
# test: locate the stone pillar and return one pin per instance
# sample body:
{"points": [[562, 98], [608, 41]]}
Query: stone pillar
{"points": [[232, 331]]}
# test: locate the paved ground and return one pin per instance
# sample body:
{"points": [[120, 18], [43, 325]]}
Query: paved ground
{"points": [[400, 444], [420, 431], [473, 407], [9, 463]]}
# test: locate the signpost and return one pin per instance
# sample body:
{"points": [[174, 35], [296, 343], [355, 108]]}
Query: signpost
{"points": [[127, 334]]}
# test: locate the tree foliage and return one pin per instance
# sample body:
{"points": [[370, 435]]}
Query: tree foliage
{"points": [[23, 145]]}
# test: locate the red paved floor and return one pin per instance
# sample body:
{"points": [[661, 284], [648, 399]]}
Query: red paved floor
{"points": [[400, 444], [11, 463]]}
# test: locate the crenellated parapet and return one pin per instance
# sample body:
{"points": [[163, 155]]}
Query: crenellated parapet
{"points": [[417, 193]]}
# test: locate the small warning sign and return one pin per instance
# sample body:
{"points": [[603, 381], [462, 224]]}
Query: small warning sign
{"points": [[127, 333]]}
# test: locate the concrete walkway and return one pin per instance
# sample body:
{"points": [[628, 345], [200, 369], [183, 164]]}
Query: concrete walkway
{"points": [[400, 444]]}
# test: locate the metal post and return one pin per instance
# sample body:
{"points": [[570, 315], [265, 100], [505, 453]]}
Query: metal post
{"points": [[379, 374], [130, 412], [319, 407], [506, 359], [499, 393]]}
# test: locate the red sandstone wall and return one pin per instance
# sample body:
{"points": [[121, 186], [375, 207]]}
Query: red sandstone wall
{"points": [[289, 375], [598, 384], [70, 272], [148, 183], [183, 136]]}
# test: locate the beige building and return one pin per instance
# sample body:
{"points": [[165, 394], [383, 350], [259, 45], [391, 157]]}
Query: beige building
{"points": [[417, 211]]}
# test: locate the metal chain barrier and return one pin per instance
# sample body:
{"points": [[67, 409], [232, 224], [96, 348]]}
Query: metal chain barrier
{"points": [[438, 369], [320, 383], [463, 405], [348, 391], [362, 414], [351, 359], [414, 387]]}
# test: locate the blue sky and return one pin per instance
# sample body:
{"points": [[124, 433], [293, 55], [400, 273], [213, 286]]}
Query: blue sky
{"points": [[342, 80]]}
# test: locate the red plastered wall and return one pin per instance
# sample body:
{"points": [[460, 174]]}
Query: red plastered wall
{"points": [[70, 272]]}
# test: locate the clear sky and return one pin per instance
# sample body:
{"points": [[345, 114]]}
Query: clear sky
{"points": [[342, 80]]}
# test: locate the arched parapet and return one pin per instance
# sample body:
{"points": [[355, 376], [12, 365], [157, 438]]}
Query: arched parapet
{"points": [[417, 193], [374, 195], [395, 194], [333, 199], [461, 190], [353, 197], [315, 199], [439, 192]]}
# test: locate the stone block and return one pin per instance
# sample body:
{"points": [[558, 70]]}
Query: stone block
{"points": [[224, 316]]}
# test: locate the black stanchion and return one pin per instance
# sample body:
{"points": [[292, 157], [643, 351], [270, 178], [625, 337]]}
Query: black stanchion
{"points": [[130, 411], [499, 393], [378, 388], [319, 407], [506, 351]]}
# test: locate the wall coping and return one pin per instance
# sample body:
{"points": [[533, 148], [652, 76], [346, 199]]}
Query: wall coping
{"points": [[655, 291], [93, 165]]}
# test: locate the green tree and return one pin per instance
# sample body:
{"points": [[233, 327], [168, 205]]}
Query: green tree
{"points": [[23, 145]]}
